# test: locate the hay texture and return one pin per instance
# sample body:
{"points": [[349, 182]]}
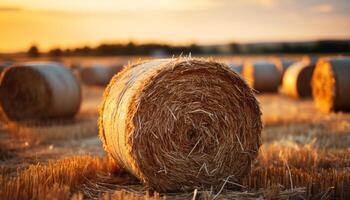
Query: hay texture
{"points": [[99, 75], [177, 124], [331, 84], [39, 90], [297, 79], [263, 76]]}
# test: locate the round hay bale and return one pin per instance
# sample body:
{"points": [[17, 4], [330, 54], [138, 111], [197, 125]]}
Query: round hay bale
{"points": [[297, 79], [98, 75], [39, 90], [263, 76], [331, 84], [236, 67], [283, 64], [177, 124]]}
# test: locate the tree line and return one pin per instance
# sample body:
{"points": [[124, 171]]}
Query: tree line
{"points": [[132, 49]]}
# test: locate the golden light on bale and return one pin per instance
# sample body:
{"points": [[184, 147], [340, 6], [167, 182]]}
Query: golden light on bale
{"points": [[331, 84], [38, 91], [98, 75], [263, 76], [297, 79], [283, 64], [179, 124]]}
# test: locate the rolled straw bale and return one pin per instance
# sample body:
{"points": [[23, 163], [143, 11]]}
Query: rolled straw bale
{"points": [[297, 79], [331, 84], [98, 75], [39, 90], [181, 123], [283, 64], [263, 76]]}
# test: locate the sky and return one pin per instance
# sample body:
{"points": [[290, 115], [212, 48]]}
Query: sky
{"points": [[66, 23]]}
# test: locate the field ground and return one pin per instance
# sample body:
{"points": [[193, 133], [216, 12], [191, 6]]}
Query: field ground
{"points": [[305, 154]]}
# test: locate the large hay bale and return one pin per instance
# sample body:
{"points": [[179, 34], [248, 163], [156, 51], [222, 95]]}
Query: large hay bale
{"points": [[297, 79], [263, 76], [331, 84], [99, 75], [39, 90], [181, 123]]}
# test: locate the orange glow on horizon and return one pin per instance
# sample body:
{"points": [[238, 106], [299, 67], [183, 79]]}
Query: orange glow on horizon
{"points": [[67, 24]]}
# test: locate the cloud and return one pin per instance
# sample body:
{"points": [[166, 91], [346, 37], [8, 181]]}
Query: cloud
{"points": [[268, 3], [323, 8]]}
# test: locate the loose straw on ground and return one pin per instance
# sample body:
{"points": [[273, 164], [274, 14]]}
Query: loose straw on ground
{"points": [[180, 124], [263, 76], [32, 91], [331, 84]]}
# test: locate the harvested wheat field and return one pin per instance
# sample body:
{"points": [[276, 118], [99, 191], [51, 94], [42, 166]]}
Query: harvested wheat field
{"points": [[304, 153]]}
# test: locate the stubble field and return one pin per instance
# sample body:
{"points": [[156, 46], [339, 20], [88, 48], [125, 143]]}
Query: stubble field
{"points": [[305, 155]]}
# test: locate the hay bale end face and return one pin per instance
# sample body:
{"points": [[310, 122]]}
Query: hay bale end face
{"points": [[39, 91], [180, 124], [263, 76], [331, 84], [296, 81]]}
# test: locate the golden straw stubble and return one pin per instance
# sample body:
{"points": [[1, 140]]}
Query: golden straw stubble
{"points": [[331, 84], [180, 124]]}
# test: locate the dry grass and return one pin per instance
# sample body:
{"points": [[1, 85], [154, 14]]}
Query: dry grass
{"points": [[281, 172], [56, 180], [305, 155], [48, 132], [292, 166]]}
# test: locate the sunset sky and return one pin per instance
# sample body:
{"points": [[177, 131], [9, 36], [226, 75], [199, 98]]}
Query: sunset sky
{"points": [[67, 23]]}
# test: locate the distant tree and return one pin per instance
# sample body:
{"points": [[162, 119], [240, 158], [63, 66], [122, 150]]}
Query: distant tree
{"points": [[57, 52], [33, 51], [234, 48]]}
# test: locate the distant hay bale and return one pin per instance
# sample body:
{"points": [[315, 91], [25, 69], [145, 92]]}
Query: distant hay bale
{"points": [[179, 124], [236, 67], [99, 75], [283, 64], [263, 76], [39, 90], [331, 84], [297, 79]]}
